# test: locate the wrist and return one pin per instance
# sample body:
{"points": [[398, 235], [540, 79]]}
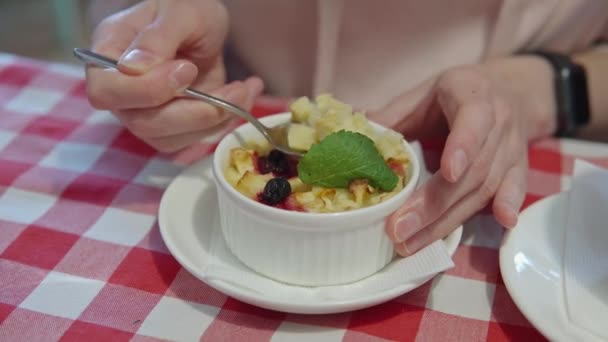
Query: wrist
{"points": [[571, 92], [530, 80]]}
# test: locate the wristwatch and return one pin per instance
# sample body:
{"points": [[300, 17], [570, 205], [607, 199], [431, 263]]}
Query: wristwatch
{"points": [[572, 97]]}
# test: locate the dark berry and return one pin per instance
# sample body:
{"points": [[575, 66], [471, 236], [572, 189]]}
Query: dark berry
{"points": [[276, 191], [278, 162], [276, 156]]}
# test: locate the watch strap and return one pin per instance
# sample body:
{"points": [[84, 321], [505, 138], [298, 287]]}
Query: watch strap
{"points": [[571, 94]]}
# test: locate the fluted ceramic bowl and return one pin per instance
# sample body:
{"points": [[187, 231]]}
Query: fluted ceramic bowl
{"points": [[303, 248]]}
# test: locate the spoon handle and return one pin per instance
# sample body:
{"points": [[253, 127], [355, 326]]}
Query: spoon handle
{"points": [[90, 57]]}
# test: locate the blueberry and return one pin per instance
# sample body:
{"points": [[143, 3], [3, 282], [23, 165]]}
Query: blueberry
{"points": [[276, 191]]}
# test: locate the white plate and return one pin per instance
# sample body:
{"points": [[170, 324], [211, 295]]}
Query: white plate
{"points": [[188, 217], [531, 265]]}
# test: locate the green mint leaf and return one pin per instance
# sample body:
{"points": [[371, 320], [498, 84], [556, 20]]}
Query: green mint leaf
{"points": [[343, 157]]}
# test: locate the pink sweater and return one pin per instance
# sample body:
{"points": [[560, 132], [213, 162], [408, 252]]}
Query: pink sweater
{"points": [[366, 52]]}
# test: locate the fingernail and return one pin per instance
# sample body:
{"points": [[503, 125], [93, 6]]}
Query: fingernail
{"points": [[254, 85], [407, 225], [138, 60], [459, 164], [510, 212], [401, 249], [182, 76]]}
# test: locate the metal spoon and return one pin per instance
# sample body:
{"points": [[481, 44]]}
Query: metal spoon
{"points": [[276, 136]]}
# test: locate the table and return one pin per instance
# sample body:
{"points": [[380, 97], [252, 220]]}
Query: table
{"points": [[81, 257]]}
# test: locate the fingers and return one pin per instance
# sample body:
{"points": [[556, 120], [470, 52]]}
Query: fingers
{"points": [[465, 100], [469, 131], [180, 115], [111, 89], [177, 25], [115, 33], [146, 40], [424, 206], [424, 238], [186, 115], [438, 195], [255, 86], [183, 121], [174, 143], [484, 158], [511, 194], [111, 37], [460, 210]]}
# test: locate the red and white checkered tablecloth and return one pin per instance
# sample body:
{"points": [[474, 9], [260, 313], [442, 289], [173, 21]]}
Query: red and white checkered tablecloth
{"points": [[81, 256]]}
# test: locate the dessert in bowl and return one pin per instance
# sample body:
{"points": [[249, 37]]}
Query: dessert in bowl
{"points": [[319, 220]]}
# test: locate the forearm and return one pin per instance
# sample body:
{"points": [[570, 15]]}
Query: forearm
{"points": [[531, 77], [595, 63]]}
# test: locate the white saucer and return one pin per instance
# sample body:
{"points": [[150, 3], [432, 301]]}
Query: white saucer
{"points": [[531, 265], [189, 221]]}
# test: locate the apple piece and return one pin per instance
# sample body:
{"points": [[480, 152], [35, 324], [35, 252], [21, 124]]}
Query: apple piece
{"points": [[390, 144], [301, 109], [326, 102], [301, 137], [242, 160], [297, 185], [251, 184]]}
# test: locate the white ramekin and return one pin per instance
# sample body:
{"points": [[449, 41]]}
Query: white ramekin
{"points": [[308, 249]]}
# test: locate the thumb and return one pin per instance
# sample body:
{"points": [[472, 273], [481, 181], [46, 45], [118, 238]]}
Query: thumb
{"points": [[406, 112], [176, 26]]}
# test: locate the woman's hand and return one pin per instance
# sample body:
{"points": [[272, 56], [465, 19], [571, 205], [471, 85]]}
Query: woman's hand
{"points": [[491, 111], [164, 47]]}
